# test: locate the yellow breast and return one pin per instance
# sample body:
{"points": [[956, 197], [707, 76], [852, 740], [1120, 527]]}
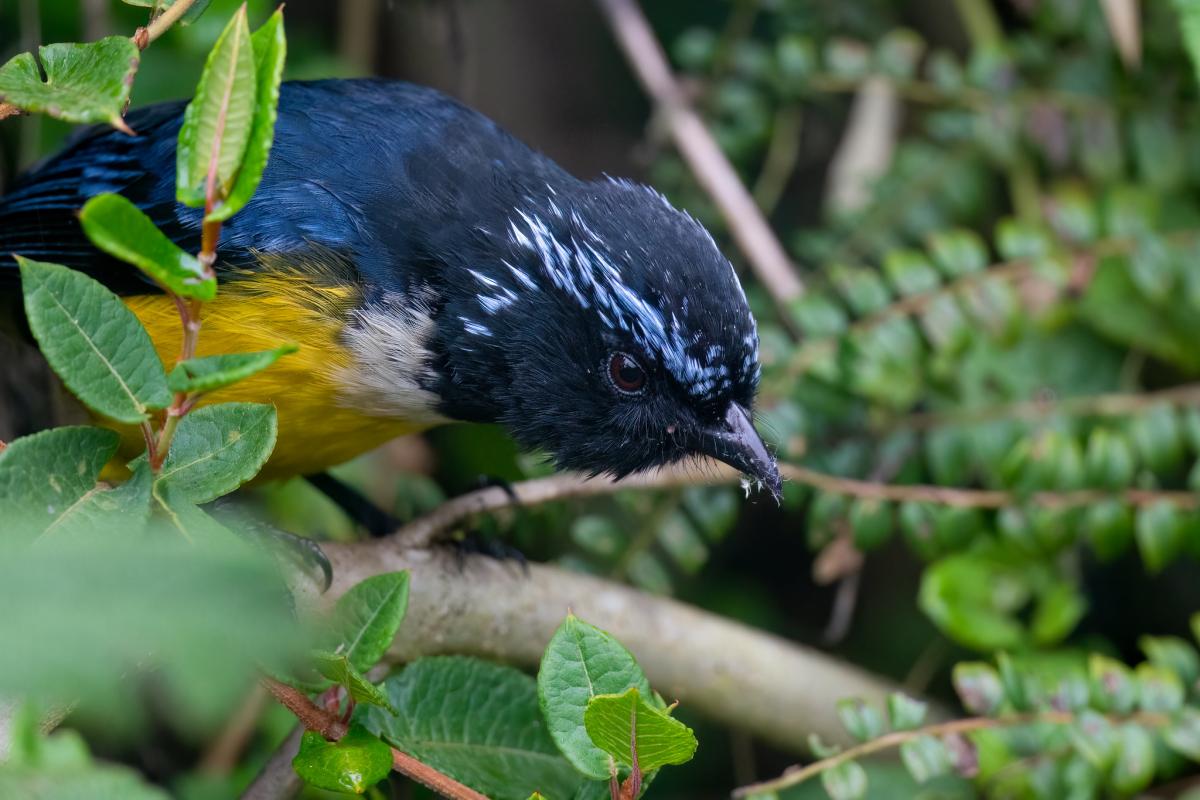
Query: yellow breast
{"points": [[316, 429]]}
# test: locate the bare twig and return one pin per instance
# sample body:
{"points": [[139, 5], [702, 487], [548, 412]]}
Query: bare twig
{"points": [[227, 747], [311, 716], [277, 780], [429, 777], [952, 728], [780, 160], [702, 153]]}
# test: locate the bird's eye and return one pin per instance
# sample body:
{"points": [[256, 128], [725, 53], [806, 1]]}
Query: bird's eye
{"points": [[626, 374]]}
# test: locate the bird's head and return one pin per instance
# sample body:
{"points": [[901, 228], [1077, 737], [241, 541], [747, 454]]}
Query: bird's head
{"points": [[604, 326]]}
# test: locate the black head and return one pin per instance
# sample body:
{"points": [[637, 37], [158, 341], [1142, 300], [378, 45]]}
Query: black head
{"points": [[604, 326]]}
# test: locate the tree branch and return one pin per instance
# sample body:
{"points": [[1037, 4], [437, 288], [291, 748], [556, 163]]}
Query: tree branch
{"points": [[142, 37], [700, 150], [490, 609]]}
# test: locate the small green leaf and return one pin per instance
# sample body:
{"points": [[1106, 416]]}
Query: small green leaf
{"points": [[846, 781], [1173, 653], [1109, 462], [478, 723], [355, 763], [1159, 689], [1059, 609], [910, 272], [217, 122], [121, 229], [1016, 239], [337, 668], [1114, 689], [125, 507], [209, 373], [925, 757], [861, 720], [84, 82], [218, 448], [582, 661], [366, 618], [958, 252], [1189, 23], [904, 712], [94, 343], [1152, 268], [871, 521], [612, 720], [1108, 527], [1160, 534], [270, 50], [1183, 734], [1134, 768], [1095, 738], [898, 52], [1157, 438], [979, 687]]}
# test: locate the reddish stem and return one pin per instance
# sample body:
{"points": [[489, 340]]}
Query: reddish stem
{"points": [[310, 715], [431, 778]]}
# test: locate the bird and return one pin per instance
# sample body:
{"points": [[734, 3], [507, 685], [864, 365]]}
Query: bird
{"points": [[432, 268]]}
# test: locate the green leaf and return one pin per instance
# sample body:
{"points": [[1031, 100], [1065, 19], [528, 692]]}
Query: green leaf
{"points": [[1159, 689], [217, 122], [209, 373], [582, 661], [910, 272], [337, 668], [1059, 609], [904, 712], [84, 82], [191, 15], [93, 781], [958, 252], [125, 506], [1113, 686], [45, 476], [94, 343], [846, 781], [979, 687], [270, 50], [1183, 734], [1017, 239], [898, 52], [1109, 462], [861, 720], [1152, 268], [366, 618], [1134, 768], [1189, 23], [1158, 438], [354, 763], [218, 448], [477, 722], [1173, 653], [871, 521], [613, 719], [121, 229], [925, 757], [1108, 527], [1095, 738], [1160, 534]]}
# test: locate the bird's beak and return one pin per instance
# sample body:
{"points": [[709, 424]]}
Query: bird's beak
{"points": [[734, 441]]}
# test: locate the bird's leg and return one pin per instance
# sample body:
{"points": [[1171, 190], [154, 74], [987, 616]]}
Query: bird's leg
{"points": [[361, 510]]}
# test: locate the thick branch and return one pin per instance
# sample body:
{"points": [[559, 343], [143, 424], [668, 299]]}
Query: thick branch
{"points": [[698, 147], [482, 607]]}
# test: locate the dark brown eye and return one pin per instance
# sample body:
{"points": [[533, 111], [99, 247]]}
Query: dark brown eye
{"points": [[626, 373]]}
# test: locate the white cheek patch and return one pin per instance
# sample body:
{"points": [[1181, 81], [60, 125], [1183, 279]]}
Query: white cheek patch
{"points": [[390, 361]]}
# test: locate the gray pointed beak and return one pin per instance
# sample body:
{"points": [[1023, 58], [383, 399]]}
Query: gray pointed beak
{"points": [[735, 441]]}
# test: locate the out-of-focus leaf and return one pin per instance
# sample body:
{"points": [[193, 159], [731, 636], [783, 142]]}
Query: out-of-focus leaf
{"points": [[1160, 535], [94, 343], [478, 723], [1019, 239], [353, 764], [1157, 436], [1189, 21], [1057, 612], [904, 712], [121, 229], [1108, 527], [1183, 734], [1134, 768], [1109, 462], [1159, 689], [86, 82], [847, 781], [1095, 738], [871, 521], [910, 272], [861, 720], [925, 757], [612, 720], [1173, 653], [191, 15], [897, 53], [847, 58], [958, 252], [1113, 686], [979, 687], [863, 289]]}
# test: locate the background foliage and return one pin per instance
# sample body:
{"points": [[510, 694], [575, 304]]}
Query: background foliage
{"points": [[987, 393]]}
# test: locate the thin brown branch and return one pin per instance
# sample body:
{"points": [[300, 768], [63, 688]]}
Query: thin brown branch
{"points": [[277, 780], [311, 716], [955, 727], [162, 23], [430, 778], [780, 161], [700, 150], [226, 749]]}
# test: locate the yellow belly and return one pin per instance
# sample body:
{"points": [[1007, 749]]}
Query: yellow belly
{"points": [[316, 430]]}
